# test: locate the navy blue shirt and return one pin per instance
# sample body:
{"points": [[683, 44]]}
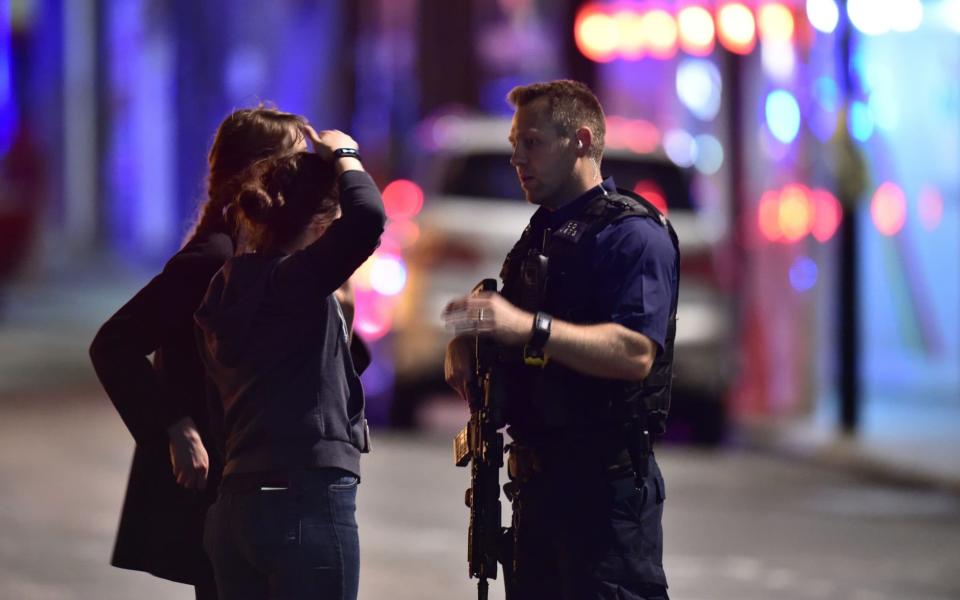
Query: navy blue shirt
{"points": [[635, 265]]}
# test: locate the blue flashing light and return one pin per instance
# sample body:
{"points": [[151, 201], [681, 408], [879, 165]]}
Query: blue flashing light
{"points": [[885, 110], [783, 116], [680, 147], [870, 17], [699, 87], [492, 95], [8, 105], [823, 124], [803, 274], [826, 93], [245, 74], [823, 118], [948, 14], [709, 154], [860, 122], [823, 14], [884, 100]]}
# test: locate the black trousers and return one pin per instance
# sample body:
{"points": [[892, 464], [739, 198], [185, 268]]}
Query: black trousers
{"points": [[207, 589], [582, 536]]}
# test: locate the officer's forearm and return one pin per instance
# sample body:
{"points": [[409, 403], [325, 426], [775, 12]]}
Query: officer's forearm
{"points": [[607, 350]]}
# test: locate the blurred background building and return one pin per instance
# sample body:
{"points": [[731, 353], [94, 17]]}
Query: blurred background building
{"points": [[808, 152], [812, 153]]}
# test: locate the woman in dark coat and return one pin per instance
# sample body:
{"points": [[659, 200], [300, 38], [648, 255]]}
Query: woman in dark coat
{"points": [[176, 464]]}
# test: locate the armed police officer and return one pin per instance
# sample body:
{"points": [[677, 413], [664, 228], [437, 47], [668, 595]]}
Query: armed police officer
{"points": [[584, 326]]}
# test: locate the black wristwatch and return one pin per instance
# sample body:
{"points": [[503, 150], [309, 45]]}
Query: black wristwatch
{"points": [[346, 152], [533, 351]]}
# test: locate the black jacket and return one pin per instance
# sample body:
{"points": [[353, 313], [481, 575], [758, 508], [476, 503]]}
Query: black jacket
{"points": [[161, 524], [276, 345]]}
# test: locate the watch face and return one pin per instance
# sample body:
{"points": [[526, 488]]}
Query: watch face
{"points": [[543, 321]]}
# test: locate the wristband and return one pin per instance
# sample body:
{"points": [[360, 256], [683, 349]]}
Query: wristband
{"points": [[346, 152]]}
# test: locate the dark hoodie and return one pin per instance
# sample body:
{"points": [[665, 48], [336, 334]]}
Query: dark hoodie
{"points": [[275, 344]]}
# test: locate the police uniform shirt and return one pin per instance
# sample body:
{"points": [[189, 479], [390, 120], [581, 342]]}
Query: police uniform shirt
{"points": [[634, 264]]}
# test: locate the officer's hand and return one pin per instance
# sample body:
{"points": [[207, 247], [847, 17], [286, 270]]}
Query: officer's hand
{"points": [[458, 365], [187, 455], [489, 313]]}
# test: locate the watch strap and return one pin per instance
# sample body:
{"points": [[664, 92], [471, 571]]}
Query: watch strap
{"points": [[346, 152], [541, 331]]}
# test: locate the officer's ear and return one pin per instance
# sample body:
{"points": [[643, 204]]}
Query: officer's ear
{"points": [[584, 141]]}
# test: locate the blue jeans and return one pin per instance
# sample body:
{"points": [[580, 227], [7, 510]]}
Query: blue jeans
{"points": [[289, 540]]}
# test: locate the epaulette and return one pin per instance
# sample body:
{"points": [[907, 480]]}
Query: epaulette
{"points": [[604, 210]]}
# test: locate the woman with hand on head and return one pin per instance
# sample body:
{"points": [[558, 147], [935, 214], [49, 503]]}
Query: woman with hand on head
{"points": [[176, 464], [275, 345]]}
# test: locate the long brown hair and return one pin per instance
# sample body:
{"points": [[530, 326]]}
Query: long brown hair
{"points": [[281, 195], [243, 138]]}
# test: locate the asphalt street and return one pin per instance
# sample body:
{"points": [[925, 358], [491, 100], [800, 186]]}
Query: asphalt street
{"points": [[739, 525]]}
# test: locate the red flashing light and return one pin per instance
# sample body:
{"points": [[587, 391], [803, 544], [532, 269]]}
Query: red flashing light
{"points": [[596, 34], [827, 214], [889, 209], [790, 214], [660, 34], [637, 135], [642, 136], [736, 28], [374, 311], [402, 199], [616, 132], [795, 212], [374, 316], [631, 35], [768, 217], [776, 23], [697, 31], [632, 30], [653, 193]]}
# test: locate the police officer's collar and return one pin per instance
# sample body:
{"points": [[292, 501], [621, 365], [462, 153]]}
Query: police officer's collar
{"points": [[573, 209]]}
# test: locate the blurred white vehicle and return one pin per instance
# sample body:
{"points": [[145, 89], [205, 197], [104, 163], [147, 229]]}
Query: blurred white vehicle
{"points": [[474, 212]]}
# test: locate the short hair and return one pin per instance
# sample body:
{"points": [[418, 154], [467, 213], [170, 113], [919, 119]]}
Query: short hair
{"points": [[572, 105]]}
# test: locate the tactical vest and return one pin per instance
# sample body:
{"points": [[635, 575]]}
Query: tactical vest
{"points": [[554, 274]]}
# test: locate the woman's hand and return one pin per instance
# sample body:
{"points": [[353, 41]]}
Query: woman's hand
{"points": [[189, 458], [325, 142]]}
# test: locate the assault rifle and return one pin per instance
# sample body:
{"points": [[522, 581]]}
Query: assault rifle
{"points": [[480, 444]]}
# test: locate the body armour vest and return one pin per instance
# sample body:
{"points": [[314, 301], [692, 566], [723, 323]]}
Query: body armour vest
{"points": [[554, 274]]}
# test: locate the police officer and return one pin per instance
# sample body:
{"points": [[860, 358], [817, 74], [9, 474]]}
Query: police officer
{"points": [[585, 328]]}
